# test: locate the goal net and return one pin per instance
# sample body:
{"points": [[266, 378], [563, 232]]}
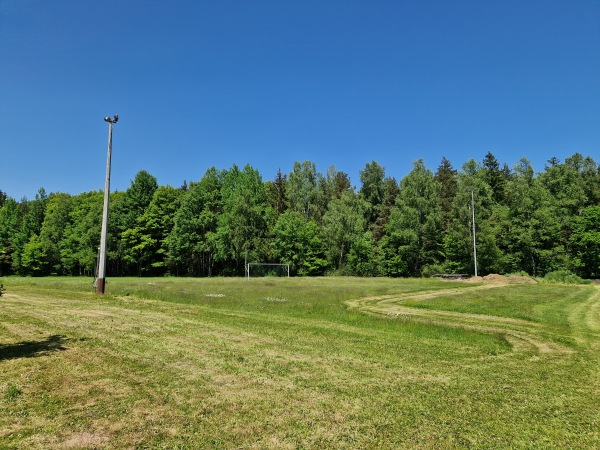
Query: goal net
{"points": [[267, 270]]}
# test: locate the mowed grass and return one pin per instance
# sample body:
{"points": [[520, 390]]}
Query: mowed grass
{"points": [[291, 363]]}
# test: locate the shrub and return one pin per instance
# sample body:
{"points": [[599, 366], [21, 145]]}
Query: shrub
{"points": [[564, 276], [520, 273], [432, 270], [2, 289]]}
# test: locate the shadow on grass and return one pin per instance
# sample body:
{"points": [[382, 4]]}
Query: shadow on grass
{"points": [[32, 349]]}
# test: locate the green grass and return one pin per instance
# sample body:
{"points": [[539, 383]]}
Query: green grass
{"points": [[297, 363], [536, 302]]}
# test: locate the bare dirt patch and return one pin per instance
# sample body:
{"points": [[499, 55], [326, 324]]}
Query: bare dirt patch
{"points": [[85, 439], [497, 278]]}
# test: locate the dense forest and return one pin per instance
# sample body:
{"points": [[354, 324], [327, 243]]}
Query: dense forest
{"points": [[526, 221]]}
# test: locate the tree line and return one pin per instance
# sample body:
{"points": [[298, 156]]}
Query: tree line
{"points": [[525, 221]]}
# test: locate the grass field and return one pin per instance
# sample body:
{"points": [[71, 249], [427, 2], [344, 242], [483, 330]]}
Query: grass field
{"points": [[298, 363]]}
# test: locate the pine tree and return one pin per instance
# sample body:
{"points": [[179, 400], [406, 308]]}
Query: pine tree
{"points": [[391, 192], [276, 195], [494, 177], [446, 178]]}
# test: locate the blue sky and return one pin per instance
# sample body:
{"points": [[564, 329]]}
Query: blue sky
{"points": [[215, 83]]}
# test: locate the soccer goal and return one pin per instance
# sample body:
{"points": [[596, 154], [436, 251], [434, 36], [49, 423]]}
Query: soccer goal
{"points": [[267, 270]]}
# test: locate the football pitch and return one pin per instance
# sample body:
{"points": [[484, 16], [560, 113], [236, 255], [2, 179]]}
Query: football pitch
{"points": [[298, 363]]}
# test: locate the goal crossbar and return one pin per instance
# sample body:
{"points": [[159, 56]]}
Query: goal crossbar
{"points": [[287, 266]]}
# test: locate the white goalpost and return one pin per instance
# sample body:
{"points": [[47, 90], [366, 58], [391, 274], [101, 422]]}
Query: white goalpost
{"points": [[285, 268]]}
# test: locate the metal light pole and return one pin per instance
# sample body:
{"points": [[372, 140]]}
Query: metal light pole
{"points": [[100, 281], [474, 236]]}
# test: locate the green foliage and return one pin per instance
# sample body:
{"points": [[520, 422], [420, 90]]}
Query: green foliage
{"points": [[446, 177], [35, 259], [191, 244], [146, 244], [56, 221], [373, 189], [524, 226], [298, 242], [525, 221], [586, 241], [304, 190], [12, 393], [414, 234], [136, 199], [431, 270], [391, 191], [129, 245], [564, 276], [81, 237], [520, 273], [364, 258], [495, 177], [335, 184], [276, 195], [458, 241], [344, 225], [33, 217], [243, 225], [10, 221], [3, 198]]}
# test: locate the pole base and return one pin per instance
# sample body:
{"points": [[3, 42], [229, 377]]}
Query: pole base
{"points": [[100, 285]]}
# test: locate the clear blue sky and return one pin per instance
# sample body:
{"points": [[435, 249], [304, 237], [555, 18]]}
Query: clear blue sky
{"points": [[203, 83]]}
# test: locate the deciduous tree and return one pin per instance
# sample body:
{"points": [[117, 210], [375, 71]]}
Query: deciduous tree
{"points": [[243, 225], [56, 221], [146, 243], [304, 190], [344, 225], [372, 188], [10, 223], [297, 241], [413, 237], [79, 245], [192, 245]]}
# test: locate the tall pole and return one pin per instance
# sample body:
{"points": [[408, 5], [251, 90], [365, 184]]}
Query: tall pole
{"points": [[474, 238], [101, 280]]}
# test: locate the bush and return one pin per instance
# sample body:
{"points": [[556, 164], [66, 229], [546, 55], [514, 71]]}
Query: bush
{"points": [[432, 270], [2, 289], [520, 273], [564, 276]]}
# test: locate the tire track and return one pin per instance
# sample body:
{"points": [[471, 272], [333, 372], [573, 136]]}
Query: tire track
{"points": [[585, 320], [523, 335]]}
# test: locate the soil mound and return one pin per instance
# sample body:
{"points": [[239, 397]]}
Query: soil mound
{"points": [[520, 279], [497, 278]]}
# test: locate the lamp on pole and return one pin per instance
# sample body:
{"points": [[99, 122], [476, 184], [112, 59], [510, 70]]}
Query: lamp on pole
{"points": [[100, 281]]}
